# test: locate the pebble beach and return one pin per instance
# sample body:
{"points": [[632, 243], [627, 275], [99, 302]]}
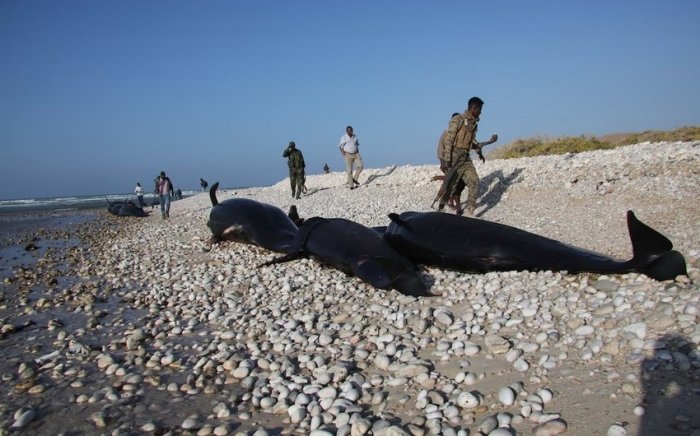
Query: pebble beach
{"points": [[142, 326]]}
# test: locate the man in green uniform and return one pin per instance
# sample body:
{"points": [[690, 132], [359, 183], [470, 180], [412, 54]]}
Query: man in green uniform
{"points": [[295, 161], [459, 140]]}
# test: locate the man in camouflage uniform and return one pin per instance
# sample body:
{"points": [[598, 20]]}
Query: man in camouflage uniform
{"points": [[296, 169], [459, 140], [454, 201]]}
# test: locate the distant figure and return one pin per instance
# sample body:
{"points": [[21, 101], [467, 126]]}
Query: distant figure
{"points": [[178, 194], [326, 169], [165, 190], [139, 194], [203, 183], [349, 148], [456, 162], [295, 161]]}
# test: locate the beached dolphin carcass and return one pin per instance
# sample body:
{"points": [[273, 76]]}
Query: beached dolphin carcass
{"points": [[356, 250], [125, 208], [475, 245], [251, 222]]}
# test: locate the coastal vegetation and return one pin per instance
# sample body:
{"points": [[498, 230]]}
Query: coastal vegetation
{"points": [[544, 145]]}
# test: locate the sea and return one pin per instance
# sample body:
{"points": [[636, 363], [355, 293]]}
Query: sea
{"points": [[22, 217], [61, 204]]}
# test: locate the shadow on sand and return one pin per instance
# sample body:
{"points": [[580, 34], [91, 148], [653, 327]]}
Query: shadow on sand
{"points": [[310, 192], [670, 388], [493, 187], [374, 177]]}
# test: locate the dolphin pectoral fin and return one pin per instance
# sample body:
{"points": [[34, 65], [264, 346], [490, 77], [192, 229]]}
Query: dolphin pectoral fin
{"points": [[282, 259], [382, 273], [212, 194]]}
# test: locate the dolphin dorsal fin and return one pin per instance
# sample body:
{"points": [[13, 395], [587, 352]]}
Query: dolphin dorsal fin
{"points": [[397, 219], [212, 194]]}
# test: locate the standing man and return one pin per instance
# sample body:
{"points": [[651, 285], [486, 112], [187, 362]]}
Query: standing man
{"points": [[326, 169], [349, 148], [295, 161], [165, 190], [203, 183], [139, 194], [460, 139]]}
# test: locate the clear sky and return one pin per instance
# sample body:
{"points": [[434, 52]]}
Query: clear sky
{"points": [[97, 95]]}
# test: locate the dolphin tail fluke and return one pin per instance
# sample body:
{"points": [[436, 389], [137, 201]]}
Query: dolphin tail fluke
{"points": [[653, 253], [212, 194], [667, 267]]}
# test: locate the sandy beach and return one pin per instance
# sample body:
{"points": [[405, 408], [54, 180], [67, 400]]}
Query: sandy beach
{"points": [[131, 326]]}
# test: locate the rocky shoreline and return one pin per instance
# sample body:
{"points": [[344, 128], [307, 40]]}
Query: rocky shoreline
{"points": [[145, 327]]}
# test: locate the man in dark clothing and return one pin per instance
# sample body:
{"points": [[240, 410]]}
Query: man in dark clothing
{"points": [[295, 161], [326, 169], [203, 183]]}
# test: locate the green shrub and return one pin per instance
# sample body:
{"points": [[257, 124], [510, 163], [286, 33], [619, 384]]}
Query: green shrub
{"points": [[687, 133], [539, 146]]}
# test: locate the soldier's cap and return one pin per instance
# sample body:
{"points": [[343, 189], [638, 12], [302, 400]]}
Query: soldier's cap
{"points": [[292, 143]]}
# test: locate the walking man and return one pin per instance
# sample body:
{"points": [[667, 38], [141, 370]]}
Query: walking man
{"points": [[203, 183], [349, 148], [454, 202], [295, 161], [165, 191], [460, 139]]}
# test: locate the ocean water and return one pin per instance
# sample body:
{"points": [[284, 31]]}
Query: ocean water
{"points": [[29, 205]]}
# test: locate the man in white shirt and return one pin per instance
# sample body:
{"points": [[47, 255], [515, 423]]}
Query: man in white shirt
{"points": [[139, 194], [349, 148]]}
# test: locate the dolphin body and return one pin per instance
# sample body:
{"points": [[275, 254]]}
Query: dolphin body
{"points": [[251, 222], [125, 208], [356, 250], [474, 245]]}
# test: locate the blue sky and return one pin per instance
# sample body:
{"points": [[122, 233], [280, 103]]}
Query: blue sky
{"points": [[96, 95]]}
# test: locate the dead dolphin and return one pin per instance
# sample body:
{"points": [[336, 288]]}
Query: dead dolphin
{"points": [[356, 250], [475, 245], [125, 208], [250, 222]]}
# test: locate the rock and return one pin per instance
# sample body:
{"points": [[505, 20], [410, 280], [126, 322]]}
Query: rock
{"points": [[443, 317], [468, 400], [497, 344], [585, 330], [393, 430], [189, 424], [521, 365], [616, 430], [550, 428], [23, 417], [607, 286], [360, 427], [506, 396], [411, 370], [638, 328]]}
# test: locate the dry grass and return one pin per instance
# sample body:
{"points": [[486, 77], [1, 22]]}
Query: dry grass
{"points": [[687, 133], [543, 145]]}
